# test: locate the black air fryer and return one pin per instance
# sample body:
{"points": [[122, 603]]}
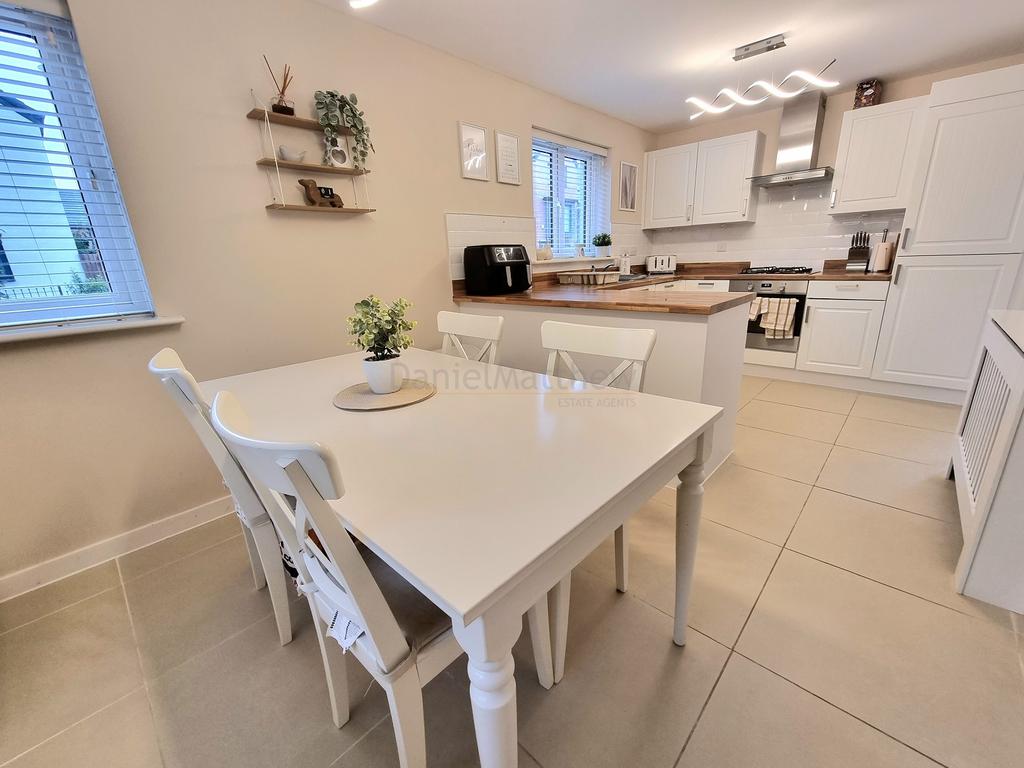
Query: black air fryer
{"points": [[492, 270]]}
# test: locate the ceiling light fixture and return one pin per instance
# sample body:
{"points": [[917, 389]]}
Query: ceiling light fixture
{"points": [[809, 80], [357, 4]]}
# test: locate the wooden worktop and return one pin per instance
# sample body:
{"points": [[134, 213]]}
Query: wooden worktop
{"points": [[672, 302]]}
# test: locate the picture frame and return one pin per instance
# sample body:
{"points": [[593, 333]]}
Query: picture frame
{"points": [[473, 152], [506, 158], [629, 178]]}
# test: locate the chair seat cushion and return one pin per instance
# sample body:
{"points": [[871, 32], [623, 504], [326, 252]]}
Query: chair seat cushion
{"points": [[419, 619]]}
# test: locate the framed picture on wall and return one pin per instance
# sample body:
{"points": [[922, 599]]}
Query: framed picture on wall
{"points": [[628, 176], [473, 151], [506, 157]]}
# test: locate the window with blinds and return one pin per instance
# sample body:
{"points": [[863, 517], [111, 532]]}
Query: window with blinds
{"points": [[67, 251], [570, 194]]}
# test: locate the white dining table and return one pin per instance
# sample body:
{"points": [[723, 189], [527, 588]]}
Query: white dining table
{"points": [[487, 494]]}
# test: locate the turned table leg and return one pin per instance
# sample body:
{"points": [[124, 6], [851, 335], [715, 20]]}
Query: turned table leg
{"points": [[689, 499]]}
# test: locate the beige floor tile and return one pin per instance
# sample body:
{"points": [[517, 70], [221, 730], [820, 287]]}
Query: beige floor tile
{"points": [[910, 552], [731, 569], [944, 683], [920, 488], [252, 702], [792, 420], [451, 741], [784, 455], [120, 736], [62, 668], [147, 559], [45, 600], [750, 386], [913, 413], [194, 603], [927, 446], [809, 396], [629, 696], [754, 502], [755, 718]]}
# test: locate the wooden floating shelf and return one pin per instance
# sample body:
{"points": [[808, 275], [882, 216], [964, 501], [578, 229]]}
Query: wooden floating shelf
{"points": [[269, 162], [317, 209], [292, 121]]}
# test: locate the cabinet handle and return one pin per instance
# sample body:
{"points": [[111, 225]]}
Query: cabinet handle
{"points": [[832, 203], [689, 212], [906, 238], [745, 201], [807, 315], [896, 276], [700, 283]]}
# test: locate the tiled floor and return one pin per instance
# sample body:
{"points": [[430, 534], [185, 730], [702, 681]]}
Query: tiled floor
{"points": [[827, 633]]}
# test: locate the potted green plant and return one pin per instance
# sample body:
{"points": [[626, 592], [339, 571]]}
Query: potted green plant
{"points": [[603, 242], [335, 113], [383, 331]]}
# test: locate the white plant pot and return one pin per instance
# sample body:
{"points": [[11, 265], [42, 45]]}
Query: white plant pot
{"points": [[603, 251], [383, 376]]}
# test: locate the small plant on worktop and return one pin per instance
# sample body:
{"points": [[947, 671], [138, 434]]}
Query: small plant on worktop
{"points": [[383, 331], [336, 112], [603, 242]]}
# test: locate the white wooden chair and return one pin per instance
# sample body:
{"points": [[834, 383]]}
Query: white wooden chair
{"points": [[481, 328], [261, 537], [632, 348], [400, 637]]}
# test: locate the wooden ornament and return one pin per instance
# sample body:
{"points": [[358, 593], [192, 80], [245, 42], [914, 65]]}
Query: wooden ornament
{"points": [[323, 197]]}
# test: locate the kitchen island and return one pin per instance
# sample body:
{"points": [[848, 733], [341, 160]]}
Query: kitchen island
{"points": [[698, 355]]}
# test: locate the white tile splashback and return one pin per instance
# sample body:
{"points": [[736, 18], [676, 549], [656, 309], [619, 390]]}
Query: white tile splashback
{"points": [[473, 229], [793, 228]]}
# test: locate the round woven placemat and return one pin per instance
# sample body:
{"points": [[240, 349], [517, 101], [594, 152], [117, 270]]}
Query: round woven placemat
{"points": [[358, 397]]}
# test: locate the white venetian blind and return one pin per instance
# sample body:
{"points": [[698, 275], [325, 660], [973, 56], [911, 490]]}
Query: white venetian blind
{"points": [[67, 251], [571, 200]]}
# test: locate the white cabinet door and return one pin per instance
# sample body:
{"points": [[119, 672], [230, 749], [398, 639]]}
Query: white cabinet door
{"points": [[878, 149], [934, 315], [669, 176], [968, 192], [724, 168], [839, 336]]}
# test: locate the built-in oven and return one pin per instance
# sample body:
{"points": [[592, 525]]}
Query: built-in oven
{"points": [[760, 349]]}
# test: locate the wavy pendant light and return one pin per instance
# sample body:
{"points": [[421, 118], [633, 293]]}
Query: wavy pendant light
{"points": [[742, 99]]}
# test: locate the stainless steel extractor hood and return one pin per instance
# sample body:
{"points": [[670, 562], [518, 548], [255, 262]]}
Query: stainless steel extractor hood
{"points": [[799, 136]]}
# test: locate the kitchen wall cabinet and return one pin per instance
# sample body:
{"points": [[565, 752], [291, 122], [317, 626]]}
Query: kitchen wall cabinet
{"points": [[968, 191], [936, 309], [878, 151], [669, 182], [724, 167], [840, 336], [703, 183]]}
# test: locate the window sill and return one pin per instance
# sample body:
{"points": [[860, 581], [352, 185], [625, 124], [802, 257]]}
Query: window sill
{"points": [[573, 260], [83, 327]]}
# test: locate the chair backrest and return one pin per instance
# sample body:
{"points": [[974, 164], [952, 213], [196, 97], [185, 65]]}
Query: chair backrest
{"points": [[308, 472], [456, 325], [631, 346]]}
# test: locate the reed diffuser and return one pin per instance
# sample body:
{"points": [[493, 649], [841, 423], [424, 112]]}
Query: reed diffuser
{"points": [[281, 104]]}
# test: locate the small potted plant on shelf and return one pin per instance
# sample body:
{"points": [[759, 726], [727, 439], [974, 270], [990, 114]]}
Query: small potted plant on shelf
{"points": [[383, 331], [335, 113], [603, 242], [281, 104]]}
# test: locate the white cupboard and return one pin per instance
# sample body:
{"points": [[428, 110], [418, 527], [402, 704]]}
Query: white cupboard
{"points": [[935, 313], [968, 191], [878, 151], [669, 180], [703, 183], [839, 336], [724, 168]]}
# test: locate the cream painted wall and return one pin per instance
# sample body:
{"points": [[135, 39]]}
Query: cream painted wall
{"points": [[767, 121], [91, 447]]}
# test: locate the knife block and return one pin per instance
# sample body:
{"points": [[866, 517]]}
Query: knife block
{"points": [[857, 259]]}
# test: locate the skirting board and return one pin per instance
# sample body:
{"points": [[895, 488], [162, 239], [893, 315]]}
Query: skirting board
{"points": [[48, 571], [870, 386]]}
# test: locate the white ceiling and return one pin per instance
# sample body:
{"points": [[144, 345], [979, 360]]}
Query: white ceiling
{"points": [[638, 59]]}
